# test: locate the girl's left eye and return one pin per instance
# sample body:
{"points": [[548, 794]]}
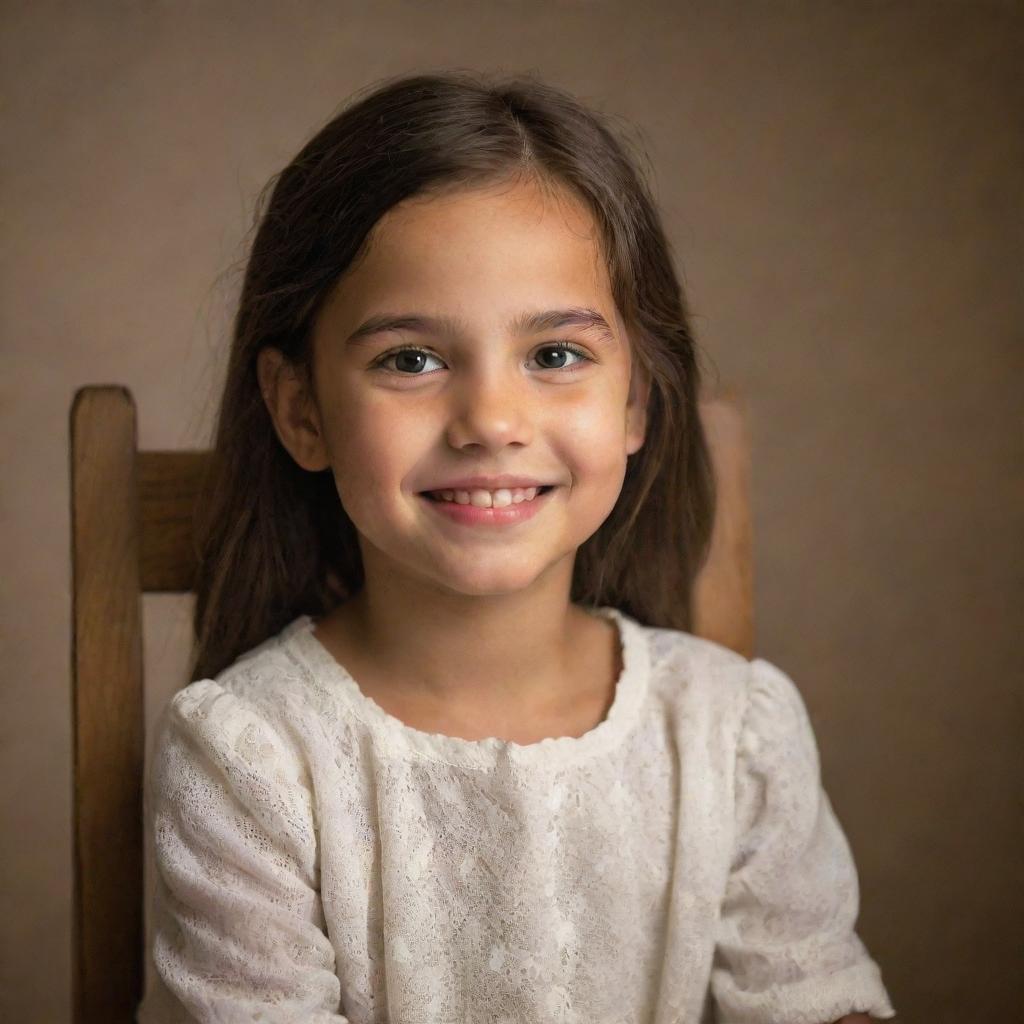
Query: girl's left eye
{"points": [[418, 354]]}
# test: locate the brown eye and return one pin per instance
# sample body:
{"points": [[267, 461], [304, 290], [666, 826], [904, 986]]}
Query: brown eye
{"points": [[408, 361], [560, 349]]}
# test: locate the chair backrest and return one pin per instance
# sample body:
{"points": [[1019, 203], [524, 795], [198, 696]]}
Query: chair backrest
{"points": [[131, 517]]}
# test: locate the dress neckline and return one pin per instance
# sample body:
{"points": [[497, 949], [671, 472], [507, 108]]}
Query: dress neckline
{"points": [[397, 737]]}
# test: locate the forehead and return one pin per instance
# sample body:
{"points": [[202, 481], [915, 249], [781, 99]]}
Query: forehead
{"points": [[482, 255]]}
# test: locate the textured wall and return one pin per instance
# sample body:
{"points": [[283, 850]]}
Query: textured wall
{"points": [[842, 185]]}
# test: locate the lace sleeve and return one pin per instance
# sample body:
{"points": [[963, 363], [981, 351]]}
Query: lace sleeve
{"points": [[787, 952], [237, 919]]}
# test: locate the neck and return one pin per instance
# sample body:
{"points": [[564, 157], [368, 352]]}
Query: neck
{"points": [[492, 652]]}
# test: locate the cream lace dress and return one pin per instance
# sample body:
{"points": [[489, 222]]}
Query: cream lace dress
{"points": [[318, 860]]}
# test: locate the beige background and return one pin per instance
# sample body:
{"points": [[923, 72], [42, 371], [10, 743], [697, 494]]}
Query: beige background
{"points": [[842, 185]]}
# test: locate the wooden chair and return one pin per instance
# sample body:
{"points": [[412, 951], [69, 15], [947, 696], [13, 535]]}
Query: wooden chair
{"points": [[131, 514]]}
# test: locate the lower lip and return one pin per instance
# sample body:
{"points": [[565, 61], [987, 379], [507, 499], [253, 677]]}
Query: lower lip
{"points": [[473, 515]]}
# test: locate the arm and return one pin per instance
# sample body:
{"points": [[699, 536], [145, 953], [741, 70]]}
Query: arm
{"points": [[238, 923], [786, 946]]}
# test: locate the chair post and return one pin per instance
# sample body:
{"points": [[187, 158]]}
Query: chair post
{"points": [[107, 705], [724, 589]]}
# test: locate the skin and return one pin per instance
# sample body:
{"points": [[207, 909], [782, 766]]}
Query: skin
{"points": [[487, 631]]}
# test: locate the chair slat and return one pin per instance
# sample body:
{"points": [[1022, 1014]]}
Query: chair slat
{"points": [[108, 713], [169, 486]]}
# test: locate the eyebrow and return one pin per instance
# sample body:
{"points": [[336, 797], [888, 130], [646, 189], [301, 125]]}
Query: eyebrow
{"points": [[581, 317]]}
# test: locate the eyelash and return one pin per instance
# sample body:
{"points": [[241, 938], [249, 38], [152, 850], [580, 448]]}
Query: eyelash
{"points": [[560, 346]]}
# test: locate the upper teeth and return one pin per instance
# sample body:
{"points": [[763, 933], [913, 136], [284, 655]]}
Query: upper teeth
{"points": [[487, 499]]}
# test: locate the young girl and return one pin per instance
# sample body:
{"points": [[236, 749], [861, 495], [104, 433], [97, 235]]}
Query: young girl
{"points": [[451, 754]]}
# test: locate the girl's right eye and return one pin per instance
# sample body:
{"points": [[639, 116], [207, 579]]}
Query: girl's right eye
{"points": [[418, 354]]}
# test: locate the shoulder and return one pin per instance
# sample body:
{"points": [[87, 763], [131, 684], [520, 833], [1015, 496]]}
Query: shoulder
{"points": [[230, 761], [697, 671], [777, 733], [753, 700], [261, 698]]}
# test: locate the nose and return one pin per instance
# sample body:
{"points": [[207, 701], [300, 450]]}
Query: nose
{"points": [[490, 411]]}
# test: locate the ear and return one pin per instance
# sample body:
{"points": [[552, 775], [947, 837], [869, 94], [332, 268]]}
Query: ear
{"points": [[636, 407], [292, 408]]}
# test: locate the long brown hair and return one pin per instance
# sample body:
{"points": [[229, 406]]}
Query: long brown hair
{"points": [[273, 539]]}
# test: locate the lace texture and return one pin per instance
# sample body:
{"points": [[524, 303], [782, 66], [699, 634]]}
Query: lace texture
{"points": [[319, 861]]}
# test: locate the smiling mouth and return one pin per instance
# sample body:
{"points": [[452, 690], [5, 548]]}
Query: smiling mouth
{"points": [[431, 495]]}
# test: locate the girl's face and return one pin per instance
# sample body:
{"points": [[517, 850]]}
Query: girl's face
{"points": [[483, 396]]}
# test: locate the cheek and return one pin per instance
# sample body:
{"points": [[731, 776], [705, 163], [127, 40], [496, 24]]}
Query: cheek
{"points": [[373, 451], [593, 434]]}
